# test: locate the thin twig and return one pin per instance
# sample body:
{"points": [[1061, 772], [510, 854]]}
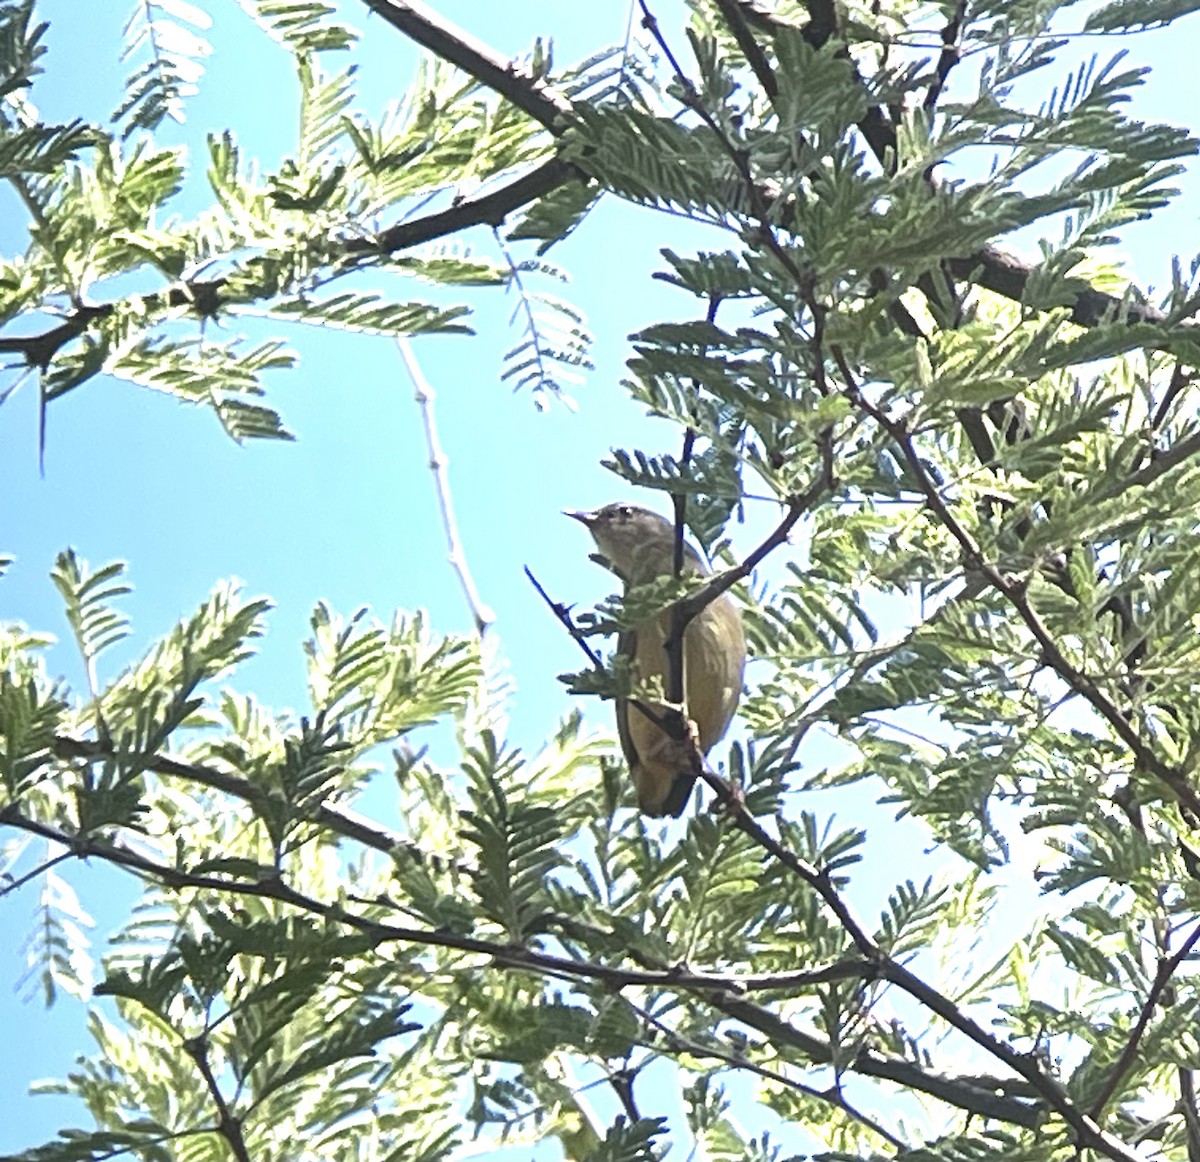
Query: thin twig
{"points": [[673, 647], [340, 820], [621, 1081], [1162, 977], [678, 1042], [228, 1126], [797, 506], [760, 201], [563, 614], [1014, 590], [1181, 377], [439, 462], [41, 869]]}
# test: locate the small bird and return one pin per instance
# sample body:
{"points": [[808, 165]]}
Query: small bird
{"points": [[639, 545]]}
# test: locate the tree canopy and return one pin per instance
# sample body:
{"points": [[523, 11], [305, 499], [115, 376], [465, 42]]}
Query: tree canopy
{"points": [[974, 597]]}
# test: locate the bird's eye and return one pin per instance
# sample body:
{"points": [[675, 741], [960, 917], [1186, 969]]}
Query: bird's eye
{"points": [[624, 511]]}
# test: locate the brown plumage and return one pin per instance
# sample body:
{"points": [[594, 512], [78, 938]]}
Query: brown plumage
{"points": [[640, 545]]}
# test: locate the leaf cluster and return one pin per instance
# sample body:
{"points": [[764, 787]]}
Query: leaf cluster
{"points": [[970, 485]]}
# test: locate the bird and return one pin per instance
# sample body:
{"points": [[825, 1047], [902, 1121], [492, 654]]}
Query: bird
{"points": [[639, 546]]}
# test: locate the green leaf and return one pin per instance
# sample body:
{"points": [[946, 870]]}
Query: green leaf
{"points": [[350, 1039], [43, 149], [32, 711], [95, 624], [167, 34], [555, 216], [630, 1141], [1135, 15], [515, 839], [303, 26], [374, 314]]}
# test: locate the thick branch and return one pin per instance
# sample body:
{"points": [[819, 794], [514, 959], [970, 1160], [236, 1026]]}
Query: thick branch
{"points": [[966, 1093], [421, 23], [751, 49], [722, 990], [490, 209], [1006, 275]]}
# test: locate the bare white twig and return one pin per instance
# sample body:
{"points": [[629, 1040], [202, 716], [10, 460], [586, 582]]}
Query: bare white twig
{"points": [[438, 464]]}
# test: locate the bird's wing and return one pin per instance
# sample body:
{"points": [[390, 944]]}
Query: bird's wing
{"points": [[626, 647], [656, 762], [679, 794]]}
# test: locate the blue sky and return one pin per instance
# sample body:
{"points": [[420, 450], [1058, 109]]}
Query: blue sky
{"points": [[347, 513]]}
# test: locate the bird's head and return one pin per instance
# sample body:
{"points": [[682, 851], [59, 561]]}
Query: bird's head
{"points": [[636, 543]]}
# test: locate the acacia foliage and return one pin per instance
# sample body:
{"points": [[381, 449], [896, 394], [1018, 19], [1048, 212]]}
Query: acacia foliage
{"points": [[1014, 443]]}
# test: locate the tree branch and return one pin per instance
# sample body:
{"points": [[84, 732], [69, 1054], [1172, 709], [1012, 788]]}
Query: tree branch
{"points": [[949, 54], [991, 267], [421, 23], [83, 845], [985, 1096], [751, 49], [228, 1126], [489, 209], [1015, 591], [1191, 1117], [482, 614], [727, 992], [205, 297], [796, 507], [678, 1043], [1162, 977], [340, 820], [966, 1093], [1158, 465]]}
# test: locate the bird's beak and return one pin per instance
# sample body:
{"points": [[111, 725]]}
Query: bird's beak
{"points": [[584, 518]]}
